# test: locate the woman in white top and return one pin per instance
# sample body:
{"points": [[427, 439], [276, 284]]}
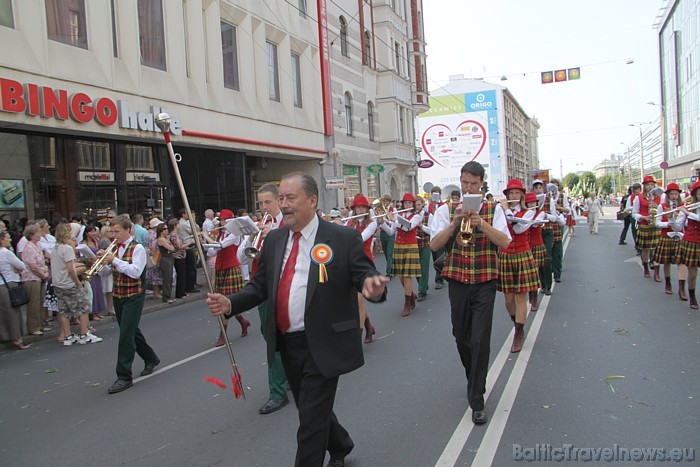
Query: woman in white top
{"points": [[34, 278], [595, 211], [10, 317]]}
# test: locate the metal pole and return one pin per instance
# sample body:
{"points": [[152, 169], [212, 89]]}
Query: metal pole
{"points": [[641, 151], [629, 167], [163, 123]]}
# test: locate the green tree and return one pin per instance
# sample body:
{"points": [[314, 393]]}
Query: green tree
{"points": [[570, 181], [588, 179], [604, 184]]}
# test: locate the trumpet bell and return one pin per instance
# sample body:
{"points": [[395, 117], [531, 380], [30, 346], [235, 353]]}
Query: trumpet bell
{"points": [[251, 252]]}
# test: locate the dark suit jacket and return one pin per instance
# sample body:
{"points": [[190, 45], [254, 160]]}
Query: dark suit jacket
{"points": [[331, 318]]}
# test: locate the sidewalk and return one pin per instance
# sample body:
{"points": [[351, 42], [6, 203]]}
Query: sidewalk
{"points": [[150, 305]]}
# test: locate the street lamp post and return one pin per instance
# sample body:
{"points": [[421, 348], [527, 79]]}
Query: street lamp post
{"points": [[663, 140], [641, 149], [629, 165]]}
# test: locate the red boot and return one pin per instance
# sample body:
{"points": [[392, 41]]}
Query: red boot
{"points": [[693, 300], [681, 290], [657, 274], [369, 330], [646, 269], [669, 288], [533, 302], [518, 337], [413, 301], [244, 325], [406, 306], [221, 341]]}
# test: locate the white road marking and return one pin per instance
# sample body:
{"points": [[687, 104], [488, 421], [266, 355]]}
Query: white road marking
{"points": [[494, 432]]}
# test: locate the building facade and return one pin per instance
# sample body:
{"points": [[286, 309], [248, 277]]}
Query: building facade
{"points": [[476, 120], [679, 63], [255, 89]]}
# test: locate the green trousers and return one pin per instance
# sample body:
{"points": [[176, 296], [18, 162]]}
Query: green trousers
{"points": [[131, 340], [425, 258], [558, 255], [388, 249], [546, 270], [276, 378]]}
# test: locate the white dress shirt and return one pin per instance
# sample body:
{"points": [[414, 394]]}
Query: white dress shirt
{"points": [[297, 293], [529, 215], [138, 260], [441, 220]]}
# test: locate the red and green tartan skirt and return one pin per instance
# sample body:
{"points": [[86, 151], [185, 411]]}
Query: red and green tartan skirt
{"points": [[558, 233], [228, 281], [571, 220], [667, 251], [689, 253], [647, 236], [517, 272], [539, 254], [406, 260]]}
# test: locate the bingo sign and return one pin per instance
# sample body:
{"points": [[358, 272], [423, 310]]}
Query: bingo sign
{"points": [[458, 129]]}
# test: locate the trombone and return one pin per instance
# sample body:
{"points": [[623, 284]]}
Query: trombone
{"points": [[99, 265], [253, 251]]}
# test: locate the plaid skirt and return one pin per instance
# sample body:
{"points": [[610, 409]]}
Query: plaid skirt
{"points": [[539, 254], [647, 236], [667, 251], [558, 233], [228, 281], [517, 272], [689, 253], [571, 220], [406, 260]]}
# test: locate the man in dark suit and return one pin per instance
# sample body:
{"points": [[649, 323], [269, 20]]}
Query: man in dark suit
{"points": [[310, 272]]}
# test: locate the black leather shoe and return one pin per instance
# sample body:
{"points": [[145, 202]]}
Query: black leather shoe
{"points": [[192, 291], [439, 285], [150, 366], [336, 463], [273, 405], [556, 279], [421, 297], [119, 386], [547, 292], [622, 243], [479, 417]]}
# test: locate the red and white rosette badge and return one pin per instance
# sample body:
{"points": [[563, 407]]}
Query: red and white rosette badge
{"points": [[322, 254]]}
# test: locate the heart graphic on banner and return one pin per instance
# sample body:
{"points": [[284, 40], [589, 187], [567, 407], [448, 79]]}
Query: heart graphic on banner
{"points": [[465, 142]]}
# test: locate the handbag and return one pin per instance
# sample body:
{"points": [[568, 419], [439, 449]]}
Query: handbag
{"points": [[156, 257], [18, 294]]}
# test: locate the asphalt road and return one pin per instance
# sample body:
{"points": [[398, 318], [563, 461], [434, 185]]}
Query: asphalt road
{"points": [[406, 406]]}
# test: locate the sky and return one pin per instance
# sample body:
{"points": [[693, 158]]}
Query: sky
{"points": [[584, 121]]}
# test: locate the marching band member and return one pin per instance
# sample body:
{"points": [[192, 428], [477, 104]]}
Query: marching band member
{"points": [[436, 202], [667, 251], [517, 272], [636, 191], [268, 202], [539, 252], [550, 214], [690, 245], [647, 234], [406, 264], [386, 239], [471, 271], [228, 278], [423, 233], [367, 227], [562, 208]]}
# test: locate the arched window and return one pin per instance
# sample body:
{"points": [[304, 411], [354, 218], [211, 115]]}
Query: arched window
{"points": [[348, 114], [343, 36], [370, 119], [368, 49]]}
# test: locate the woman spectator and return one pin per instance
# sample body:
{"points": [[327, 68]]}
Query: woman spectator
{"points": [[153, 274], [34, 277], [10, 317], [92, 240], [165, 265], [106, 273], [47, 244], [72, 300]]}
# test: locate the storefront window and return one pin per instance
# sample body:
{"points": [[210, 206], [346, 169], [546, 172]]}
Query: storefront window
{"points": [[372, 186], [93, 155], [139, 157], [351, 174]]}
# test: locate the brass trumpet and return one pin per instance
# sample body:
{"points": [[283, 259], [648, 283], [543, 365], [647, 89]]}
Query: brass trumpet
{"points": [[466, 232], [99, 265], [379, 208], [253, 251]]}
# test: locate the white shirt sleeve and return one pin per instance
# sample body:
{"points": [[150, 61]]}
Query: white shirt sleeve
{"points": [[138, 262], [521, 228], [240, 253], [369, 231], [388, 227], [635, 209], [499, 221], [441, 219]]}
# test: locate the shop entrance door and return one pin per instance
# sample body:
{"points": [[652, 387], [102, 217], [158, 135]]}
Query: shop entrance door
{"points": [[146, 200]]}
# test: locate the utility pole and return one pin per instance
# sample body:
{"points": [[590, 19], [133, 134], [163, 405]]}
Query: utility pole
{"points": [[561, 171]]}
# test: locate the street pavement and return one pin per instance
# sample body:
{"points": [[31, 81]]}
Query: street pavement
{"points": [[406, 406]]}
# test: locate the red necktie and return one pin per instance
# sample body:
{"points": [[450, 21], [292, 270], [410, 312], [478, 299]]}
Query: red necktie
{"points": [[285, 286]]}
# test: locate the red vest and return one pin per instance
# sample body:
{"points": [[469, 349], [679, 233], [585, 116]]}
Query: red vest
{"points": [[125, 286], [226, 257], [367, 245], [536, 233], [644, 207], [692, 232], [407, 238], [432, 207], [519, 242]]}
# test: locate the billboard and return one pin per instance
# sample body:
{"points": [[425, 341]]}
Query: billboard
{"points": [[457, 129]]}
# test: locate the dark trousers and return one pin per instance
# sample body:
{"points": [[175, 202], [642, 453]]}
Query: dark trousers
{"points": [[557, 258], [166, 265], [180, 281], [319, 430], [633, 222], [131, 341], [190, 270], [388, 249], [436, 255], [472, 315], [276, 377], [424, 254], [623, 235], [546, 270]]}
